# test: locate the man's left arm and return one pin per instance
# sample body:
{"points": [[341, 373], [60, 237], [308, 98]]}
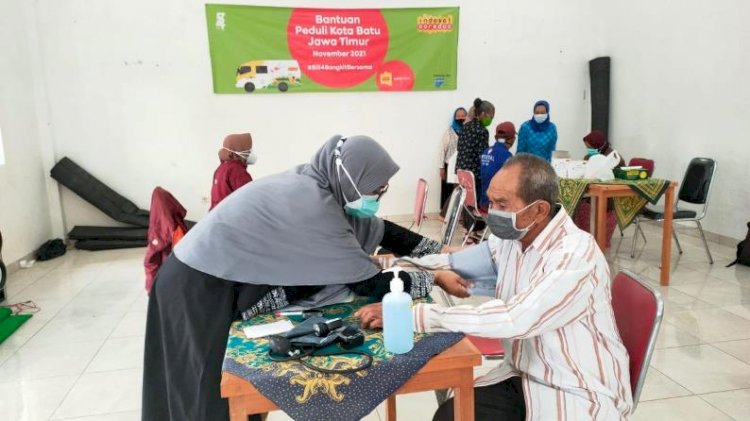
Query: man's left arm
{"points": [[556, 296]]}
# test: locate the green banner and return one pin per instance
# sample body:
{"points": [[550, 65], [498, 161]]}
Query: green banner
{"points": [[282, 50]]}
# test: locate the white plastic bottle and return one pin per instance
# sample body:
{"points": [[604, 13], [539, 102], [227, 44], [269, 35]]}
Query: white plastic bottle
{"points": [[398, 331]]}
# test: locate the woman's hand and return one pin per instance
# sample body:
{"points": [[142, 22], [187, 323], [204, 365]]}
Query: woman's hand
{"points": [[452, 283], [442, 174], [383, 261], [371, 316]]}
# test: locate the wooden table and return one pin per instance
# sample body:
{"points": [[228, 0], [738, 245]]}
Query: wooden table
{"points": [[452, 368], [601, 192]]}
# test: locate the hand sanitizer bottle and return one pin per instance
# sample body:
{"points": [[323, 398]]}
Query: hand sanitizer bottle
{"points": [[398, 331]]}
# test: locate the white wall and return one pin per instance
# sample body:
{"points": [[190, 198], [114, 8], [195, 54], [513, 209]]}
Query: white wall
{"points": [[129, 87], [679, 90], [124, 88], [24, 215]]}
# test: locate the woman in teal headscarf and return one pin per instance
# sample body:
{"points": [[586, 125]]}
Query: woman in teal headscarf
{"points": [[538, 136]]}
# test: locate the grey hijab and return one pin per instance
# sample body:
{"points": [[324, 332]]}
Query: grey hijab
{"points": [[291, 228]]}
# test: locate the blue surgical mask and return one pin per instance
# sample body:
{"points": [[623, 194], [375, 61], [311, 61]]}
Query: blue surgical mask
{"points": [[592, 151], [540, 118], [503, 224], [364, 207]]}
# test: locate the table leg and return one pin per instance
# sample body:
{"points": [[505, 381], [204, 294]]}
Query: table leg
{"points": [[666, 236], [237, 411], [463, 402], [390, 408], [592, 216], [601, 222]]}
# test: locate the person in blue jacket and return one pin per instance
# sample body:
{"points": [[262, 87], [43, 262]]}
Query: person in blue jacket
{"points": [[494, 157]]}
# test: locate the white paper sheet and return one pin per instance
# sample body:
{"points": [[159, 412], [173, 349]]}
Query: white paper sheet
{"points": [[267, 329]]}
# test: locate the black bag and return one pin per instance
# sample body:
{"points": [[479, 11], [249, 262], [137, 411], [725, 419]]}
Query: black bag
{"points": [[50, 250], [743, 250], [3, 271]]}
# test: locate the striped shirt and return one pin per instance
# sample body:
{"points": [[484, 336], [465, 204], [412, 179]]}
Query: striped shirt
{"points": [[553, 311]]}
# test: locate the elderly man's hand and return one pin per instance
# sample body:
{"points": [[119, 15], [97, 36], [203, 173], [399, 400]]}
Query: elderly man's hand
{"points": [[452, 283], [371, 316], [451, 249]]}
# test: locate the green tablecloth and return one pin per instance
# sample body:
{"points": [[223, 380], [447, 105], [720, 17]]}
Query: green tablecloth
{"points": [[650, 190], [304, 393]]}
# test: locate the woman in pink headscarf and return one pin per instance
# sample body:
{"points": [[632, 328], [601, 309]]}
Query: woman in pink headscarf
{"points": [[596, 143], [235, 155]]}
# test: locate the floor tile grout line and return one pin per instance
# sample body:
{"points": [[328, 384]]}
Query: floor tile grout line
{"points": [[88, 416], [687, 388], [730, 356], [715, 407], [88, 364], [729, 340], [31, 337], [723, 391], [690, 392], [38, 278], [34, 379]]}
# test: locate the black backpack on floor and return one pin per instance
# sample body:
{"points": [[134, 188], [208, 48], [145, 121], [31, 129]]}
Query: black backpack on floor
{"points": [[50, 250], [743, 250]]}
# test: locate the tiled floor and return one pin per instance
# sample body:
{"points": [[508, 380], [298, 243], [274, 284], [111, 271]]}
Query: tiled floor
{"points": [[80, 358]]}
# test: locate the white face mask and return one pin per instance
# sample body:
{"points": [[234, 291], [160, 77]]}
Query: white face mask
{"points": [[540, 118], [249, 156]]}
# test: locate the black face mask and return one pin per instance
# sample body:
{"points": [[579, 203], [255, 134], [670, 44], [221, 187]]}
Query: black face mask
{"points": [[459, 121]]}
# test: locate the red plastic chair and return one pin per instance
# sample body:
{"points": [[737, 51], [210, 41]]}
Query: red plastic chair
{"points": [[647, 164], [467, 181], [420, 203], [638, 310], [491, 348]]}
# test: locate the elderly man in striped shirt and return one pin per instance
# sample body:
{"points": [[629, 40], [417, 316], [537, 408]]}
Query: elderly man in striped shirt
{"points": [[552, 309]]}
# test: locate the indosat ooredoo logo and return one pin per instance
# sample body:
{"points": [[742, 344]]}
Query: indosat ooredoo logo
{"points": [[431, 24]]}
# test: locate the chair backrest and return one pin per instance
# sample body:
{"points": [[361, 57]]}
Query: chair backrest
{"points": [[638, 310], [696, 185], [452, 215], [491, 348], [420, 202], [467, 181], [647, 164]]}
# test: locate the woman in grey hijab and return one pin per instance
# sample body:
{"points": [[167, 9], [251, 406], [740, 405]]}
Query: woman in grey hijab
{"points": [[272, 242]]}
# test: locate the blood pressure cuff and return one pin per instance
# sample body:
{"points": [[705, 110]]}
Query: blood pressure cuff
{"points": [[475, 264]]}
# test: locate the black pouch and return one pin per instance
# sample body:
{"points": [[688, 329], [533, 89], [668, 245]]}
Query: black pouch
{"points": [[51, 249], [743, 250]]}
